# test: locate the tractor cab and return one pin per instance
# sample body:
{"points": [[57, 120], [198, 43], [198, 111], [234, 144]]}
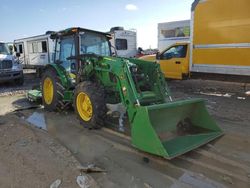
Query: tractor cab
{"points": [[75, 42]]}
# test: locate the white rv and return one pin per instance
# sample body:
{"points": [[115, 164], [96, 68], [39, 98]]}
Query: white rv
{"points": [[124, 41], [173, 32], [36, 51]]}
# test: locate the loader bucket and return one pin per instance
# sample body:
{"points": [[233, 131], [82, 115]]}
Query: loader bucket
{"points": [[174, 128]]}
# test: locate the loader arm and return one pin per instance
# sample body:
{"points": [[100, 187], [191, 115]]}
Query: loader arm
{"points": [[136, 82], [158, 125]]}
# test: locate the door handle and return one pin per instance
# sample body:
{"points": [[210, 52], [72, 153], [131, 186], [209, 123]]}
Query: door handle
{"points": [[177, 62]]}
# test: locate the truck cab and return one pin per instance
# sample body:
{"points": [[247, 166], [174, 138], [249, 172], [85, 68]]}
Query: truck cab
{"points": [[174, 60], [10, 68]]}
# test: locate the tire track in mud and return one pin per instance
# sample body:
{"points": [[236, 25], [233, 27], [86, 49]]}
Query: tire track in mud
{"points": [[223, 159], [215, 166], [206, 164]]}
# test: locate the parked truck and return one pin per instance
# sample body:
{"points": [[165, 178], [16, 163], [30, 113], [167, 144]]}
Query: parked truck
{"points": [[10, 67], [219, 43]]}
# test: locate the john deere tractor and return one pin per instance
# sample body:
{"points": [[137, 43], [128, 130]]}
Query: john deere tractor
{"points": [[86, 75]]}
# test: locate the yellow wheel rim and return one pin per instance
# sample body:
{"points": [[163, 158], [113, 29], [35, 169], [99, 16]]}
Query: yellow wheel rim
{"points": [[48, 90], [84, 106]]}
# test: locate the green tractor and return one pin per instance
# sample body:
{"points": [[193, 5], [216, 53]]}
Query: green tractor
{"points": [[85, 74]]}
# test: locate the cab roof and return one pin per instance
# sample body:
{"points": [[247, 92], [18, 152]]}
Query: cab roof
{"points": [[74, 30]]}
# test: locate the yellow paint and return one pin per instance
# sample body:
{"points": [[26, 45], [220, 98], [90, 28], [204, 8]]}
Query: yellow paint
{"points": [[222, 22], [71, 75], [228, 56], [170, 67], [48, 91], [84, 106]]}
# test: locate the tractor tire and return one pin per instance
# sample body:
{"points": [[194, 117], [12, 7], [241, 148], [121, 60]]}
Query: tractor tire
{"points": [[89, 104], [52, 91]]}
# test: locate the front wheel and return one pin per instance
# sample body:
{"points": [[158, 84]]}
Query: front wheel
{"points": [[90, 104], [52, 91]]}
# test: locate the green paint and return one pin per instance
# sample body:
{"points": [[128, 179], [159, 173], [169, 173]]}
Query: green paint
{"points": [[155, 130], [61, 72]]}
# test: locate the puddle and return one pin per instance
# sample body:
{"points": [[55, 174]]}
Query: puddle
{"points": [[38, 120]]}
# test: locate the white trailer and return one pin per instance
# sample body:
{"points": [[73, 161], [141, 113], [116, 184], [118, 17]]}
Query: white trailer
{"points": [[170, 33], [124, 41], [35, 52]]}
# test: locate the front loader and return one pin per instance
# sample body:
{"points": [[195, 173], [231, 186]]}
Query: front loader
{"points": [[86, 75]]}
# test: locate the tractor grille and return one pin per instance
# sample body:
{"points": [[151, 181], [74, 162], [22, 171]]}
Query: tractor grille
{"points": [[5, 64]]}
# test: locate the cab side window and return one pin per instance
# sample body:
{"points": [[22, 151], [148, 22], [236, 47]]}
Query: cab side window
{"points": [[67, 49], [179, 51]]}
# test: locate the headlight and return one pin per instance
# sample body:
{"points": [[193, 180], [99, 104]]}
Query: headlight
{"points": [[17, 66]]}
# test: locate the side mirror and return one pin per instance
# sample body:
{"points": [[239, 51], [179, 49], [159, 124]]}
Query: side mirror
{"points": [[18, 54]]}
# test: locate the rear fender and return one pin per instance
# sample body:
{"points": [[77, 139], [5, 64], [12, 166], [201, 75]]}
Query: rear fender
{"points": [[61, 73]]}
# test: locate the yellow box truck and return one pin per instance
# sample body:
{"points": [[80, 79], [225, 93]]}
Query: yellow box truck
{"points": [[219, 41]]}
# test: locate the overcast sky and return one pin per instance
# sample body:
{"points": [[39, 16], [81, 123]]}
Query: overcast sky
{"points": [[24, 18]]}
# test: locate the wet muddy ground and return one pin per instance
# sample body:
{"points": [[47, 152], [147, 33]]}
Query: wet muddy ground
{"points": [[224, 162]]}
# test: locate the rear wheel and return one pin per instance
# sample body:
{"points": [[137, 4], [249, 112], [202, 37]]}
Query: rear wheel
{"points": [[90, 104], [52, 91]]}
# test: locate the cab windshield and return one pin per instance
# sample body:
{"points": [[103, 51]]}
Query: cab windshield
{"points": [[94, 43], [4, 49]]}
